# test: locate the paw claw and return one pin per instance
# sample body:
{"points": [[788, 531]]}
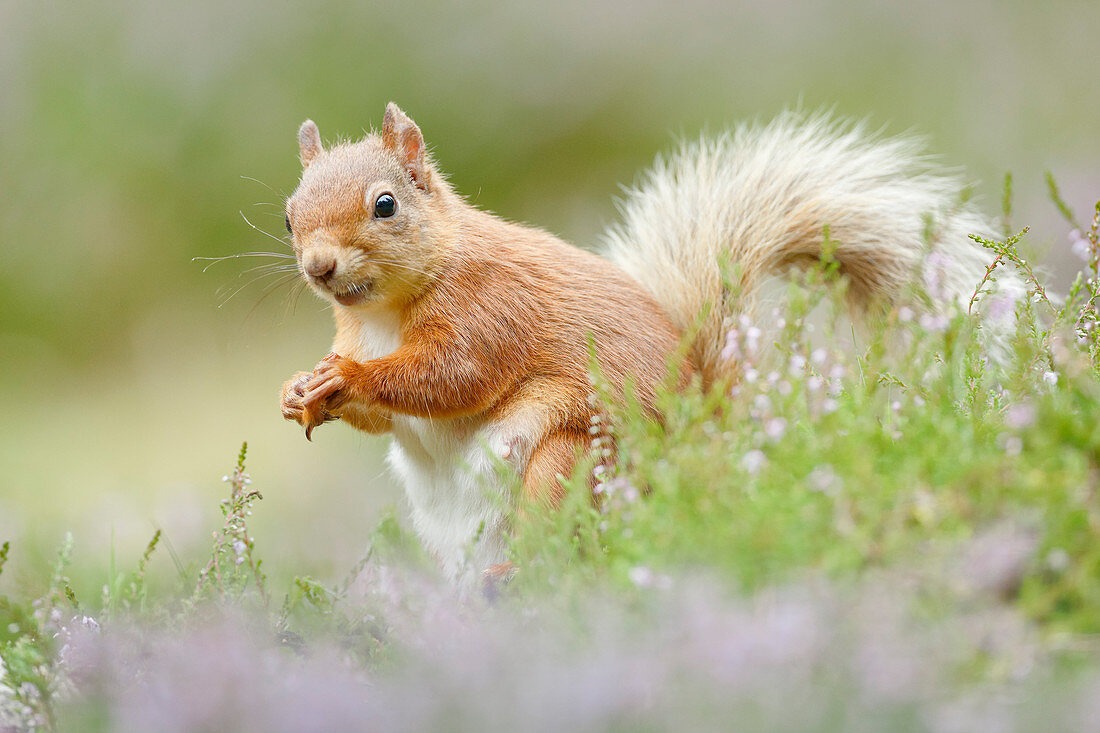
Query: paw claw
{"points": [[313, 398]]}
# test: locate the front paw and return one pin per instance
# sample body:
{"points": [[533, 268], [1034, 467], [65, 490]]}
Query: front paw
{"points": [[291, 402], [334, 382], [293, 389]]}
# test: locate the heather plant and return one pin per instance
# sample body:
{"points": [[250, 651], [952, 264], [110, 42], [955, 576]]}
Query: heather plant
{"points": [[838, 462], [233, 568], [877, 527]]}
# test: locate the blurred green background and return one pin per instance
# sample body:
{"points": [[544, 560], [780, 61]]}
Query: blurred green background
{"points": [[133, 135]]}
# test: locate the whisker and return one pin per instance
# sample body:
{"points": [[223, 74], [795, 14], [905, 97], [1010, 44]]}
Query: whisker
{"points": [[285, 279], [269, 188], [215, 260], [265, 233], [271, 267], [227, 293], [295, 295], [269, 290]]}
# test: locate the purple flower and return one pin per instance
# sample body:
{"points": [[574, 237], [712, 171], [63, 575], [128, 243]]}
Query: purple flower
{"points": [[754, 460], [775, 428], [1020, 416]]}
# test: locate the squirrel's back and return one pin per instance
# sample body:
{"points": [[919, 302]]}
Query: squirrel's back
{"points": [[567, 303], [760, 198]]}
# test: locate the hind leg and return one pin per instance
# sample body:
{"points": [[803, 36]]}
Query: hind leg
{"points": [[552, 460]]}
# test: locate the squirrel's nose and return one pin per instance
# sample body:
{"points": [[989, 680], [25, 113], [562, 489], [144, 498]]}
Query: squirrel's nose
{"points": [[319, 265]]}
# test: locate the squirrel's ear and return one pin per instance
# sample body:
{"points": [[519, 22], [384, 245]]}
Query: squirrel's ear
{"points": [[309, 142], [402, 137]]}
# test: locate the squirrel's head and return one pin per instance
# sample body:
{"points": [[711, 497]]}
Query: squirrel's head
{"points": [[364, 219]]}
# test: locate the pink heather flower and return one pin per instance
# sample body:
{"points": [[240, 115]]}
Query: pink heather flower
{"points": [[829, 405], [798, 363], [1000, 307], [824, 479], [641, 576], [905, 314], [818, 356], [1081, 246], [754, 460], [775, 428], [751, 375], [732, 348], [935, 265], [1020, 416], [1050, 378], [936, 322]]}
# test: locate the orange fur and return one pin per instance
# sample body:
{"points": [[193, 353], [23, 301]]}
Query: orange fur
{"points": [[448, 314], [504, 317], [509, 321], [554, 457]]}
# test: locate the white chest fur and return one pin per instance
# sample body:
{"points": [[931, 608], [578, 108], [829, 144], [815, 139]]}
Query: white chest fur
{"points": [[378, 334], [456, 490], [452, 469]]}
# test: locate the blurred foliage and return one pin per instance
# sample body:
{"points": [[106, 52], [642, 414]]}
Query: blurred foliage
{"points": [[907, 533], [134, 134], [127, 127], [833, 461]]}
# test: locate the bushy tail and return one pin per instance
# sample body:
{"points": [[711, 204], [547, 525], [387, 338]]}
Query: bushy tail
{"points": [[761, 197]]}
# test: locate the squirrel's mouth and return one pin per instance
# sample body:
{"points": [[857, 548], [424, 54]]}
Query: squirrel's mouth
{"points": [[353, 294]]}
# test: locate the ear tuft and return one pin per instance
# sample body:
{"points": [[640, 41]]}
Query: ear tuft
{"points": [[309, 142], [403, 138]]}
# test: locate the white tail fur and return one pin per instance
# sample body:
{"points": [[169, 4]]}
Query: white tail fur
{"points": [[760, 198]]}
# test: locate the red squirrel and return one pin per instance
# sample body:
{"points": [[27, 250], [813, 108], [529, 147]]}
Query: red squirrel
{"points": [[470, 337]]}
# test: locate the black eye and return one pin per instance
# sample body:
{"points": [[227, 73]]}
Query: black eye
{"points": [[288, 224], [385, 206]]}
